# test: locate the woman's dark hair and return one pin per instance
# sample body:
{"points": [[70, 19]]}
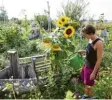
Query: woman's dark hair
{"points": [[89, 29]]}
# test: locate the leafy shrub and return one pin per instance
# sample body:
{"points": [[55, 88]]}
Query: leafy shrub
{"points": [[103, 89]]}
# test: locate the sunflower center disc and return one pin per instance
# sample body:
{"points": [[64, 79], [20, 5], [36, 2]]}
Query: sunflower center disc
{"points": [[69, 31]]}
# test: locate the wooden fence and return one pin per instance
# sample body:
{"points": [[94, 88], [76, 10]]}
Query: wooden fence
{"points": [[24, 72]]}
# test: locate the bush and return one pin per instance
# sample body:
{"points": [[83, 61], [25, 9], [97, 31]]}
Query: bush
{"points": [[103, 89]]}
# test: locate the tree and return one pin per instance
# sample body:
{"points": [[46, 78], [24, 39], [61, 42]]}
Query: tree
{"points": [[42, 20], [74, 10], [3, 14]]}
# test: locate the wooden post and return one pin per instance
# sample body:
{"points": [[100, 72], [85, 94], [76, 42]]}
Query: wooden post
{"points": [[13, 57], [33, 63]]}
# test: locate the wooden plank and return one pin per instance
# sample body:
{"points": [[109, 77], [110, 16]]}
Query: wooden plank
{"points": [[37, 56], [43, 65], [43, 69], [25, 63], [40, 59], [25, 60], [6, 73], [42, 62]]}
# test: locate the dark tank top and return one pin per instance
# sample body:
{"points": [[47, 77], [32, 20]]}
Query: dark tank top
{"points": [[91, 54]]}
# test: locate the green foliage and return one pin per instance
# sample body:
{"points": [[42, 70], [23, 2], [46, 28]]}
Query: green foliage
{"points": [[106, 63], [31, 48], [108, 50], [11, 37], [109, 27], [69, 95], [103, 89]]}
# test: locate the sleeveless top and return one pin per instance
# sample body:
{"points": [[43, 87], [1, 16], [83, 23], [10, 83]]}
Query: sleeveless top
{"points": [[91, 54]]}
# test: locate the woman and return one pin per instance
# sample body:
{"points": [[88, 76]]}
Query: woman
{"points": [[94, 54]]}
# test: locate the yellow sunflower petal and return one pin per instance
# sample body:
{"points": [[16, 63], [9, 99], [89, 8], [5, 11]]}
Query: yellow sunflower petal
{"points": [[65, 35], [68, 19]]}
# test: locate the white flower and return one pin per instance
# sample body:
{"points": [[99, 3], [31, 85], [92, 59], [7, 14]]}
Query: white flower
{"points": [[28, 85], [16, 84]]}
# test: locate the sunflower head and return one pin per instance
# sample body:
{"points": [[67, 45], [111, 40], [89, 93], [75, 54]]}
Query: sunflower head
{"points": [[59, 23], [46, 42], [62, 21], [69, 32], [55, 47]]}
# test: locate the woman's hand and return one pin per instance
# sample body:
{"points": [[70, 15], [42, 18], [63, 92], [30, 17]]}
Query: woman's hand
{"points": [[92, 76], [81, 51]]}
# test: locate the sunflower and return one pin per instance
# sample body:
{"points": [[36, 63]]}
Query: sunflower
{"points": [[46, 41], [62, 20], [46, 44], [69, 32], [59, 23], [55, 47]]}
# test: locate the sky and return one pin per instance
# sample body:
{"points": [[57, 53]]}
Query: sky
{"points": [[14, 7]]}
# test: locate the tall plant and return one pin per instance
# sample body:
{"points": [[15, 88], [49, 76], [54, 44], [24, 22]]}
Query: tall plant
{"points": [[61, 44], [74, 10]]}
